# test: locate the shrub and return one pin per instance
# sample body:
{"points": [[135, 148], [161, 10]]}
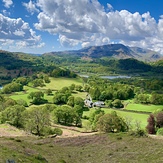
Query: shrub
{"points": [[138, 133], [160, 132], [151, 124]]}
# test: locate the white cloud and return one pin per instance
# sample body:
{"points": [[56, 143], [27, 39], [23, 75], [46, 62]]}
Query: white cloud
{"points": [[87, 23], [7, 3], [110, 7], [31, 7], [17, 32]]}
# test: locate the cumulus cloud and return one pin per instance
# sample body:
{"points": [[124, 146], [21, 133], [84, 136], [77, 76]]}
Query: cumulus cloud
{"points": [[31, 7], [87, 22], [18, 32], [7, 3]]}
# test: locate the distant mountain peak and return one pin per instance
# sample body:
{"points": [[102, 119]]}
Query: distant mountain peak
{"points": [[118, 51]]}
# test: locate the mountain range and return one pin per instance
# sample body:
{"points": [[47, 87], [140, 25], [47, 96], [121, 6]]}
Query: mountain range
{"points": [[118, 51]]}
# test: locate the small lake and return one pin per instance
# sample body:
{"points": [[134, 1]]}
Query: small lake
{"points": [[115, 77], [108, 76]]}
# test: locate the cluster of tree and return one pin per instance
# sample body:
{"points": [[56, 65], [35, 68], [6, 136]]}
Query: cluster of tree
{"points": [[100, 89], [68, 115], [12, 87], [154, 98], [37, 98], [110, 122], [63, 96], [9, 102], [35, 120], [60, 72]]}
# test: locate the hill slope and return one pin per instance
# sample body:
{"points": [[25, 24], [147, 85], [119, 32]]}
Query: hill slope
{"points": [[118, 51]]}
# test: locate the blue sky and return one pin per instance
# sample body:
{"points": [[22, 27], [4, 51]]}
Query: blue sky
{"points": [[39, 26]]}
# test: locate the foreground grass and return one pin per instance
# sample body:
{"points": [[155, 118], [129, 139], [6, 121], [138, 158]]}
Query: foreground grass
{"points": [[102, 148]]}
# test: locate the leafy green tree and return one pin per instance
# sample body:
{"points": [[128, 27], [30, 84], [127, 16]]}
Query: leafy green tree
{"points": [[46, 79], [72, 87], [37, 119], [79, 101], [67, 115], [9, 102], [70, 101], [22, 102], [12, 87], [95, 93], [37, 83], [37, 97], [13, 115], [64, 114], [2, 100], [143, 98], [78, 88], [156, 99], [78, 112], [22, 80], [112, 123], [94, 117], [117, 103], [61, 98], [160, 132], [48, 92]]}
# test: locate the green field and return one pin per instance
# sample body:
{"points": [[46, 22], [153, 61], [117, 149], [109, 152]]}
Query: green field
{"points": [[58, 83], [55, 84], [143, 108], [142, 118]]}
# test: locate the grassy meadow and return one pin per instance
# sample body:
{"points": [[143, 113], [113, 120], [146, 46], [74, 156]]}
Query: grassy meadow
{"points": [[132, 111], [104, 148], [143, 108]]}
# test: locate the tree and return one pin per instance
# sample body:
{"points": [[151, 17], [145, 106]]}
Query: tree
{"points": [[78, 88], [79, 101], [112, 123], [70, 101], [46, 79], [94, 117], [2, 100], [37, 83], [159, 120], [68, 115], [48, 92], [95, 93], [21, 80], [151, 124], [37, 119], [12, 87], [61, 98], [14, 115], [156, 99], [117, 103], [37, 97], [64, 114]]}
